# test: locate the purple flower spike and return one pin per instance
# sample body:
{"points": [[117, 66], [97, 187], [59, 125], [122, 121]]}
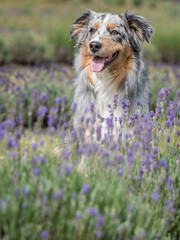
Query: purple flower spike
{"points": [[155, 150], [85, 188], [163, 163], [168, 138], [155, 196], [65, 154], [98, 234], [2, 133], [43, 97], [36, 171], [11, 143], [67, 170], [44, 234], [93, 211], [151, 114], [9, 124], [58, 194], [34, 146], [139, 102], [167, 124]]}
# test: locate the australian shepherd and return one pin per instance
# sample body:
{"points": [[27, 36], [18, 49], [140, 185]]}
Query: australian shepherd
{"points": [[108, 62]]}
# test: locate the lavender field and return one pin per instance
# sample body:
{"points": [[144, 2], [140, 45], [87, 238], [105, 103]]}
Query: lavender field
{"points": [[55, 185]]}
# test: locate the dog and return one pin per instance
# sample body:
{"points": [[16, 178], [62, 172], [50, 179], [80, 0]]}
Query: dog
{"points": [[109, 62]]}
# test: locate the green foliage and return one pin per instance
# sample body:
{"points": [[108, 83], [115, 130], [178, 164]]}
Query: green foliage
{"points": [[167, 39], [5, 55], [26, 48], [31, 200], [59, 36], [120, 2], [151, 52], [153, 3], [86, 1], [137, 2]]}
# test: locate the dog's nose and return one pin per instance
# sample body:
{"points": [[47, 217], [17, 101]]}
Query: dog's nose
{"points": [[95, 46]]}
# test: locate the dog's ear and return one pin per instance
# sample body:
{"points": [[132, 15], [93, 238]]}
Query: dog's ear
{"points": [[140, 26], [80, 24]]}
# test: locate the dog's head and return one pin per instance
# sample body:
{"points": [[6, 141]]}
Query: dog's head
{"points": [[110, 40]]}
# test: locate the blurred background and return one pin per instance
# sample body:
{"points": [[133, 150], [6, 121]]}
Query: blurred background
{"points": [[36, 52], [37, 31]]}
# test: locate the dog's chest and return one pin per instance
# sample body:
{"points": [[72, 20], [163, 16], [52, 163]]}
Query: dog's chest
{"points": [[106, 100]]}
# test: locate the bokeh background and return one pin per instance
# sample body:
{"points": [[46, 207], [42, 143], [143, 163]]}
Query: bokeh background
{"points": [[38, 31], [35, 33]]}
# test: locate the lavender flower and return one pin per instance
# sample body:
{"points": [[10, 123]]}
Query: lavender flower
{"points": [[67, 170], [9, 124], [36, 171], [167, 124], [155, 196], [42, 111], [65, 153], [74, 134], [43, 97], [93, 211], [100, 220], [168, 138], [85, 188], [2, 133], [44, 234], [74, 107], [34, 146], [98, 234], [155, 150], [163, 163], [58, 194], [11, 143], [151, 114], [139, 102]]}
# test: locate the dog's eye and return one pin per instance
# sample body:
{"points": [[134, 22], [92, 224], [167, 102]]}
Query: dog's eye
{"points": [[92, 30], [114, 32]]}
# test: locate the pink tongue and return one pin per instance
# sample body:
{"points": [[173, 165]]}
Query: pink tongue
{"points": [[97, 64]]}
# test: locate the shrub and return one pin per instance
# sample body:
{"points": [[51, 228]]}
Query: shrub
{"points": [[59, 36], [5, 56], [151, 52], [120, 2], [86, 1], [26, 48], [137, 2], [166, 40], [153, 3]]}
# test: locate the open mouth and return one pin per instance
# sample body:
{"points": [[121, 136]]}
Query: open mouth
{"points": [[99, 63]]}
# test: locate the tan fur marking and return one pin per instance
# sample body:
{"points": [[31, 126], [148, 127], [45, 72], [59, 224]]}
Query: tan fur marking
{"points": [[111, 25], [86, 58], [89, 74], [96, 24], [121, 64], [137, 30]]}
